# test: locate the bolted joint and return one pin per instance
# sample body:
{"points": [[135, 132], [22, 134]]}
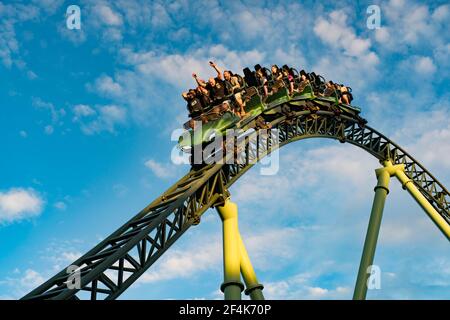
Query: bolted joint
{"points": [[405, 182], [226, 284], [384, 174], [222, 199], [381, 187], [250, 289]]}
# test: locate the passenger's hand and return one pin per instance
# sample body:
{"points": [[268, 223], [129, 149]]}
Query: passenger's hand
{"points": [[194, 75], [212, 64]]}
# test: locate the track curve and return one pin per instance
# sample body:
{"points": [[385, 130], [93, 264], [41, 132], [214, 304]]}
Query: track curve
{"points": [[114, 264]]}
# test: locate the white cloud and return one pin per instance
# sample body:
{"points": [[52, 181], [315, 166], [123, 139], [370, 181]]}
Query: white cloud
{"points": [[10, 16], [160, 17], [336, 33], [50, 6], [161, 170], [56, 113], [349, 51], [60, 253], [184, 264], [82, 110], [430, 138], [277, 244], [17, 204], [425, 65], [31, 279], [60, 205], [107, 15], [327, 168], [107, 86], [177, 69], [70, 256], [300, 286], [102, 118], [22, 282], [407, 25], [441, 13], [142, 88], [382, 34], [112, 113]]}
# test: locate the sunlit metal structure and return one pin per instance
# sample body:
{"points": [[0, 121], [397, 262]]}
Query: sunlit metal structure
{"points": [[119, 260]]}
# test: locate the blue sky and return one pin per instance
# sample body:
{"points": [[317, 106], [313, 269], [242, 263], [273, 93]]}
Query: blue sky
{"points": [[87, 117]]}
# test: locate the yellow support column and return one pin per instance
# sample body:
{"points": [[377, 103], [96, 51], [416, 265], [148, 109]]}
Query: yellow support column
{"points": [[232, 285], [408, 184], [254, 289]]}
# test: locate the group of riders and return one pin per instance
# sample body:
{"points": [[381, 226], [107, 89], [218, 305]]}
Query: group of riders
{"points": [[230, 92]]}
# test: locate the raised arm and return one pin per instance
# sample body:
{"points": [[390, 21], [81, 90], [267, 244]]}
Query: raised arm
{"points": [[199, 81], [219, 72]]}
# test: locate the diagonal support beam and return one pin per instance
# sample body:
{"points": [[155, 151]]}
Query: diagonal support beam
{"points": [[254, 288], [437, 218]]}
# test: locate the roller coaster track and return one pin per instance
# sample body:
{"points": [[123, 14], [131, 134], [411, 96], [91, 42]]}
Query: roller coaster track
{"points": [[119, 260]]}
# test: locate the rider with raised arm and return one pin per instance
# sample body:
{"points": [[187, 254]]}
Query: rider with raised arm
{"points": [[215, 86]]}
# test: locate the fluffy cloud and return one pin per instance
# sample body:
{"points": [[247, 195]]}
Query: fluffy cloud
{"points": [[349, 51], [190, 261], [141, 89], [430, 138], [107, 15], [82, 110], [60, 205], [338, 34], [425, 66], [50, 6], [102, 118], [57, 114], [10, 16], [177, 69], [406, 24], [185, 264], [161, 170], [327, 169], [18, 204], [300, 287], [21, 282], [105, 85]]}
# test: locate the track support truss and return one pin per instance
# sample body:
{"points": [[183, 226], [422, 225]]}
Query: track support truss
{"points": [[113, 265]]}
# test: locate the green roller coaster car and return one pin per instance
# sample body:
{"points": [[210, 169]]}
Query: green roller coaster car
{"points": [[254, 107]]}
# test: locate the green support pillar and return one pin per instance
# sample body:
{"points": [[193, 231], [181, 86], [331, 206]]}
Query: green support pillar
{"points": [[381, 192]]}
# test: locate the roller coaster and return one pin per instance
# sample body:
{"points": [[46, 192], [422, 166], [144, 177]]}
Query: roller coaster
{"points": [[108, 269]]}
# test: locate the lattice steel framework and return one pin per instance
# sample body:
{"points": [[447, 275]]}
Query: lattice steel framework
{"points": [[114, 264]]}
